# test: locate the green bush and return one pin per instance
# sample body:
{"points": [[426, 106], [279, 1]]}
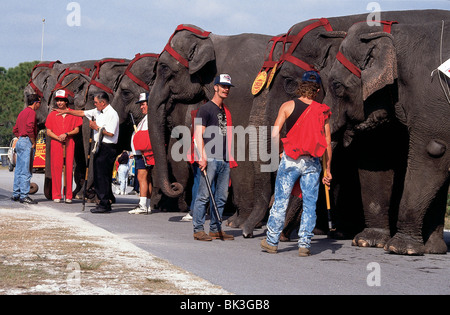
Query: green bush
{"points": [[12, 83]]}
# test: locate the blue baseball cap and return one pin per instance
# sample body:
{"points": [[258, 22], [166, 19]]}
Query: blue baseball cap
{"points": [[311, 76]]}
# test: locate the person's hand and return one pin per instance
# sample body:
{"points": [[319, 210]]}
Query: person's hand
{"points": [[202, 165], [62, 137], [60, 111], [93, 125], [326, 180]]}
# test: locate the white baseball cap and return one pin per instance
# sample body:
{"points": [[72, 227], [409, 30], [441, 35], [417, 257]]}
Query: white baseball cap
{"points": [[62, 94], [143, 97], [223, 79]]}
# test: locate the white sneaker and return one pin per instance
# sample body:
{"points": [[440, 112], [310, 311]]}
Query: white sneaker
{"points": [[57, 200], [187, 218], [138, 210], [68, 200]]}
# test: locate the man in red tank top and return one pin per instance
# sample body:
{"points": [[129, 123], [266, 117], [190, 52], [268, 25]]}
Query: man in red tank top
{"points": [[307, 140]]}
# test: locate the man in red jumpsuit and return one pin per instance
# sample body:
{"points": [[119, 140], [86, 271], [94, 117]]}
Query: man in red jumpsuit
{"points": [[61, 129]]}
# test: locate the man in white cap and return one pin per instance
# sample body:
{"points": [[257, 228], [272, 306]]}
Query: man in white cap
{"points": [[61, 129], [143, 157], [217, 162]]}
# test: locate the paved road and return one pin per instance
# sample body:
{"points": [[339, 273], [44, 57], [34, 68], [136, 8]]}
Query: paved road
{"points": [[241, 268]]}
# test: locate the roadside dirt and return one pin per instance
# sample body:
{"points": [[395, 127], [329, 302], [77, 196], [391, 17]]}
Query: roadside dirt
{"points": [[43, 251]]}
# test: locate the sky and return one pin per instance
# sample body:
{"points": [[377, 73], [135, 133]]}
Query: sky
{"points": [[95, 29]]}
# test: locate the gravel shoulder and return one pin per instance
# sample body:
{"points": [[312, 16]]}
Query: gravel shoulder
{"points": [[45, 251]]}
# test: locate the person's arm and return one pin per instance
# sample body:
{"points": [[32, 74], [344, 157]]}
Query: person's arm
{"points": [[78, 113], [285, 111], [198, 137], [327, 179]]}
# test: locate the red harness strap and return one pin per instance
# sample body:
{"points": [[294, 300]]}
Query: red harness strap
{"points": [[134, 78], [348, 64], [66, 73], [40, 65], [96, 75], [270, 62], [295, 41], [387, 28], [174, 53]]}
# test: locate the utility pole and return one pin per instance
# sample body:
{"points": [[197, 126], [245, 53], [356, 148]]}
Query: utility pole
{"points": [[42, 44]]}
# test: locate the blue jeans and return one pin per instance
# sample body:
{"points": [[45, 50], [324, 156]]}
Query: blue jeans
{"points": [[22, 173], [218, 173], [197, 175], [308, 169]]}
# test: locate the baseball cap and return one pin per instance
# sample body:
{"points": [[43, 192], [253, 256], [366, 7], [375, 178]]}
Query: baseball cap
{"points": [[143, 97], [311, 76], [62, 94], [223, 79]]}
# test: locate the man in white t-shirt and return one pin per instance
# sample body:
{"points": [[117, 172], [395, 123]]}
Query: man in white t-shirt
{"points": [[105, 119]]}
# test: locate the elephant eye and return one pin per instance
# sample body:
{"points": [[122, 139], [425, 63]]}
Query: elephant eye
{"points": [[164, 70], [290, 85], [338, 88], [126, 95]]}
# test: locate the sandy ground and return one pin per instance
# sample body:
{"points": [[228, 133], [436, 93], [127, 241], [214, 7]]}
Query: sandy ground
{"points": [[43, 251]]}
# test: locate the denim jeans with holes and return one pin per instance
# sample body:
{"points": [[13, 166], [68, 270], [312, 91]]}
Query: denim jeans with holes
{"points": [[308, 169]]}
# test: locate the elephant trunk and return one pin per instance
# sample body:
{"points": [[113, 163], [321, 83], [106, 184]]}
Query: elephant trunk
{"points": [[157, 132]]}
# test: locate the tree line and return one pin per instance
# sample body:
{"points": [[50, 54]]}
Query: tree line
{"points": [[12, 84]]}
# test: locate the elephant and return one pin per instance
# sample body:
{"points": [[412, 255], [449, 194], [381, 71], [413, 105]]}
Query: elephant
{"points": [[137, 79], [381, 79], [46, 78], [105, 77], [184, 75], [308, 45]]}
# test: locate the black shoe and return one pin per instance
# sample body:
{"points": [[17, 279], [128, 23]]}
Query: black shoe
{"points": [[28, 200], [99, 209], [15, 198]]}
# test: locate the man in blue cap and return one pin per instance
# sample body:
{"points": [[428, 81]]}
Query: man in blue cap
{"points": [[308, 138]]}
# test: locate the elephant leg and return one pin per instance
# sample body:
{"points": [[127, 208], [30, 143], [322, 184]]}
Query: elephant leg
{"points": [[422, 185], [293, 218], [376, 191], [262, 194], [433, 225], [242, 186], [48, 173]]}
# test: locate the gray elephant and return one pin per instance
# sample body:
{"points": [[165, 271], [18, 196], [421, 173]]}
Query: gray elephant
{"points": [[46, 78], [184, 75], [105, 77], [137, 79], [312, 44], [382, 78], [43, 78]]}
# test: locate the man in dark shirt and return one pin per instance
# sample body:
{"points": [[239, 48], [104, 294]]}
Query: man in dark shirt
{"points": [[212, 138], [26, 130]]}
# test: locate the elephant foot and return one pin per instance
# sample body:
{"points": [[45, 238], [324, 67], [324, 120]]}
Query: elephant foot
{"points": [[372, 238], [436, 244], [247, 231], [235, 222], [403, 244]]}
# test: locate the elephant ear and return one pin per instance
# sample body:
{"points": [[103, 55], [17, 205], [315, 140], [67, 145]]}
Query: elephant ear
{"points": [[200, 52], [381, 63]]}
